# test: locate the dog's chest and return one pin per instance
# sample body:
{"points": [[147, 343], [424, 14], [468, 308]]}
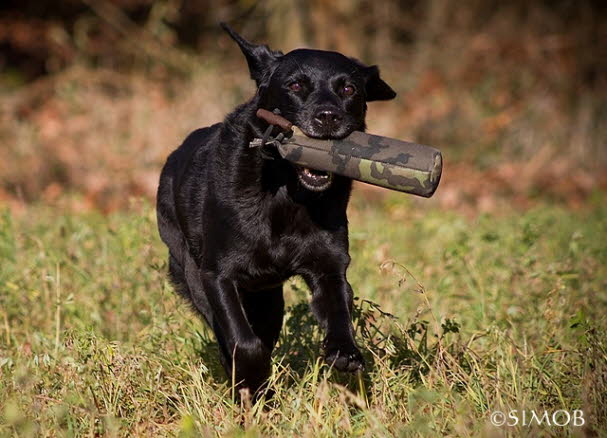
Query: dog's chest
{"points": [[288, 243]]}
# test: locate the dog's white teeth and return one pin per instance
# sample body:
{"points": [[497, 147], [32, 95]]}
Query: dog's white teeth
{"points": [[313, 174]]}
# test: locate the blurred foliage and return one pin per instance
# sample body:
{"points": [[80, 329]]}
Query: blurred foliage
{"points": [[96, 93], [40, 37]]}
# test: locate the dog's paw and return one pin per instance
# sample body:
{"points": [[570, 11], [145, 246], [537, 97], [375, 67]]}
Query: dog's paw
{"points": [[344, 358]]}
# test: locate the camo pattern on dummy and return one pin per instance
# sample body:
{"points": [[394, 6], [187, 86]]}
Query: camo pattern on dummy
{"points": [[394, 164]]}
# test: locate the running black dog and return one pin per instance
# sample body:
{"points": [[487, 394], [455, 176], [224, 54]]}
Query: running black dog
{"points": [[238, 224]]}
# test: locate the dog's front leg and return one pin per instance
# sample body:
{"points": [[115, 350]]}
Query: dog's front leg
{"points": [[240, 347], [332, 305]]}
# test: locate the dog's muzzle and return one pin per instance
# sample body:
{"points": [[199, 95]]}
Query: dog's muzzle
{"points": [[311, 179]]}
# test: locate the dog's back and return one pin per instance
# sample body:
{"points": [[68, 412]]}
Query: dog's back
{"points": [[190, 157]]}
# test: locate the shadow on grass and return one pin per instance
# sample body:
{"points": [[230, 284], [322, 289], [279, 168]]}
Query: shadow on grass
{"points": [[382, 341]]}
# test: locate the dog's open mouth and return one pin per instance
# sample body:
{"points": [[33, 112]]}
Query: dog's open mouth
{"points": [[314, 180]]}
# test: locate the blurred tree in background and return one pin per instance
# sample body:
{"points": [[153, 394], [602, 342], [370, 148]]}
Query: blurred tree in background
{"points": [[490, 83], [44, 36]]}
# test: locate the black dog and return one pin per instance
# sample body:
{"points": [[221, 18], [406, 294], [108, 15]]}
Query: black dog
{"points": [[238, 224]]}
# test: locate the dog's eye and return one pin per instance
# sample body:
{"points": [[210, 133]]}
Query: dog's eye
{"points": [[348, 90], [295, 86]]}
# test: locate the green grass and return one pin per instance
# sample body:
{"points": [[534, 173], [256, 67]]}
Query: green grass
{"points": [[458, 318]]}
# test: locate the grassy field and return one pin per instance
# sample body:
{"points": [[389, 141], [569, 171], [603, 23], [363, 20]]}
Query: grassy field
{"points": [[490, 297], [459, 318]]}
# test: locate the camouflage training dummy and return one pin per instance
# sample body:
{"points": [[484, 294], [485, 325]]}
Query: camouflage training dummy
{"points": [[382, 161]]}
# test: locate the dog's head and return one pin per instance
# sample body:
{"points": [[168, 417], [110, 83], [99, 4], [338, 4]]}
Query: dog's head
{"points": [[324, 93]]}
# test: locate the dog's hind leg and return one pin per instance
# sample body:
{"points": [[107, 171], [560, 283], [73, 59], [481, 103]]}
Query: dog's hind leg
{"points": [[177, 276], [197, 295], [265, 311]]}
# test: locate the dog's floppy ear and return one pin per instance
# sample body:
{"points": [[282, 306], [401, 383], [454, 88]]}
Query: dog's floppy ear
{"points": [[375, 88], [259, 57]]}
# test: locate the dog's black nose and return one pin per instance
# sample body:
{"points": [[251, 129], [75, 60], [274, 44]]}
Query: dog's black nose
{"points": [[328, 119]]}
